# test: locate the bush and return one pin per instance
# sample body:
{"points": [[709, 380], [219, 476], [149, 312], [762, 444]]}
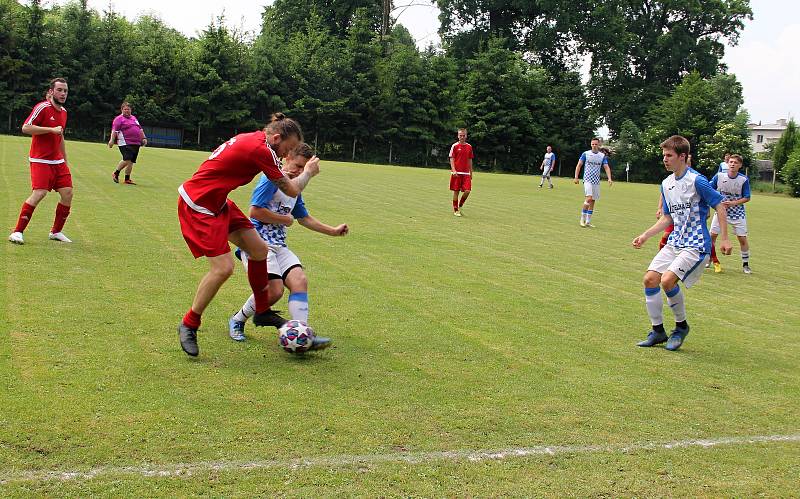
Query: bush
{"points": [[791, 173]]}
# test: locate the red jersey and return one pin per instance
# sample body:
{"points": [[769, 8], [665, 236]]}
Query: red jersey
{"points": [[46, 148], [461, 154], [233, 164]]}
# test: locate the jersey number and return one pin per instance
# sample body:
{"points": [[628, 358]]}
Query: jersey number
{"points": [[221, 148]]}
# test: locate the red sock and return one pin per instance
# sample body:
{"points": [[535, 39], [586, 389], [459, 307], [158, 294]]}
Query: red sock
{"points": [[25, 214], [62, 212], [257, 275], [714, 254], [461, 203], [192, 319], [455, 205]]}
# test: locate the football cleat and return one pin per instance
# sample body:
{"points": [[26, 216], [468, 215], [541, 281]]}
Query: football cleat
{"points": [[583, 223], [16, 238], [59, 236], [589, 225], [188, 338], [115, 177], [746, 269], [717, 267], [129, 182], [457, 213], [320, 343], [236, 330], [676, 338], [551, 186], [653, 338], [269, 318]]}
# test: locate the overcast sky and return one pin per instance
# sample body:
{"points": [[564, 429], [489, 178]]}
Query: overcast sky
{"points": [[766, 61]]}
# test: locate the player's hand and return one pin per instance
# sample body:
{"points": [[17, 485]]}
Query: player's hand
{"points": [[727, 204], [288, 220], [575, 181], [639, 241], [659, 213], [312, 166], [541, 168], [110, 145], [452, 172], [341, 230], [144, 142], [726, 247], [610, 182], [57, 130]]}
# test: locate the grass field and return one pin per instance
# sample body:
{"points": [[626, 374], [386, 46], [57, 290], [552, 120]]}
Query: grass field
{"points": [[510, 329]]}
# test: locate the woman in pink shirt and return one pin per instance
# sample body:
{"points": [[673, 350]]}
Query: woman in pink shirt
{"points": [[127, 133]]}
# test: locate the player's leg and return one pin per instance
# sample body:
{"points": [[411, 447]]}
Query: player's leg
{"points": [[687, 268], [714, 230], [121, 166], [297, 283], [744, 245], [550, 177], [590, 210], [453, 183], [134, 154], [62, 212], [220, 269], [464, 196], [25, 215], [654, 304]]}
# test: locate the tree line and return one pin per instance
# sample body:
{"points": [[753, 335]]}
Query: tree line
{"points": [[355, 79]]}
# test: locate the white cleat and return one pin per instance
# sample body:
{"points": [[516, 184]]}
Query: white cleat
{"points": [[16, 238], [59, 236]]}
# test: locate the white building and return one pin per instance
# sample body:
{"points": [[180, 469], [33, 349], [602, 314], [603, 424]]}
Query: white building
{"points": [[761, 135]]}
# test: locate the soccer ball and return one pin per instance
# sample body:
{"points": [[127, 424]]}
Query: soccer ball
{"points": [[296, 336]]}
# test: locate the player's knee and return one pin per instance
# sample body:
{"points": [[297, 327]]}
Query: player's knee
{"points": [[275, 289], [223, 268], [66, 195], [36, 196], [668, 282], [651, 280]]}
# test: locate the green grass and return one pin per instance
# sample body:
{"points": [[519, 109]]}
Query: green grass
{"points": [[510, 327]]}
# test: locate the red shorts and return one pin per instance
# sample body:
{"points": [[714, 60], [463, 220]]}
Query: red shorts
{"points": [[207, 235], [50, 177], [460, 182]]}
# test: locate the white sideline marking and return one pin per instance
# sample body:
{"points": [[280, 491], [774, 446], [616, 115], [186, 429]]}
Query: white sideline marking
{"points": [[189, 469]]}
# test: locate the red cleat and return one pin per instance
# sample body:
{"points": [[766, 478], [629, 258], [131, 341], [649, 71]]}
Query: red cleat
{"points": [[130, 182]]}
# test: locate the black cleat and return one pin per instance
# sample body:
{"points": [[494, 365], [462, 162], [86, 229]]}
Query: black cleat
{"points": [[653, 338], [269, 318], [320, 343], [188, 337]]}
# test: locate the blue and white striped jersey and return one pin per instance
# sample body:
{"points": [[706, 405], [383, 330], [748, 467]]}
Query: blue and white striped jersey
{"points": [[732, 189], [687, 200]]}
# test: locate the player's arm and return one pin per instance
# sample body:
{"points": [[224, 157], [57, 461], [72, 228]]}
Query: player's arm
{"points": [[660, 209], [64, 149], [296, 185], [29, 129], [713, 198], [312, 223], [267, 216], [657, 228], [608, 173], [470, 167], [112, 139], [578, 170], [143, 138], [722, 218]]}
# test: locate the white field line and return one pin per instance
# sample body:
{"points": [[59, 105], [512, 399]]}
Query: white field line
{"points": [[339, 461]]}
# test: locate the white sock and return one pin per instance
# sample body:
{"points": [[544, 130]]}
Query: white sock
{"points": [[589, 215], [746, 257], [655, 305], [676, 303], [298, 306], [248, 310]]}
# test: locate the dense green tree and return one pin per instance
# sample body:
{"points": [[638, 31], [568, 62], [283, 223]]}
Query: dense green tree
{"points": [[786, 145], [13, 69], [731, 137]]}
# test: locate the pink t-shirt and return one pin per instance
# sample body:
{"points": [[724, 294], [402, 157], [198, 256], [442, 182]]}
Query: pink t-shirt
{"points": [[129, 131]]}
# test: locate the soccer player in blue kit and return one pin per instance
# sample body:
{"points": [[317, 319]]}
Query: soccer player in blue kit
{"points": [[686, 196], [593, 161]]}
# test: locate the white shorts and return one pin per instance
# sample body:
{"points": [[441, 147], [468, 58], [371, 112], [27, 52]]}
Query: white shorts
{"points": [[547, 170], [739, 226], [592, 190], [280, 260], [687, 264]]}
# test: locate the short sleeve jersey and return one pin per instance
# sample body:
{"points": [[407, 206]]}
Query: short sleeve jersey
{"points": [[129, 131], [233, 164], [687, 200], [267, 195], [46, 148], [549, 159], [461, 154], [592, 164], [732, 189]]}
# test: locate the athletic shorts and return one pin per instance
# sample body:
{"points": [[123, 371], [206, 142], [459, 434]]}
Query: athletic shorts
{"points": [[207, 235], [547, 170], [739, 226], [592, 190], [129, 153], [50, 177], [687, 264], [460, 182], [280, 260]]}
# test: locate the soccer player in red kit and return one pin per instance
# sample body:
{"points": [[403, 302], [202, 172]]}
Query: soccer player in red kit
{"points": [[460, 170], [48, 158], [209, 220]]}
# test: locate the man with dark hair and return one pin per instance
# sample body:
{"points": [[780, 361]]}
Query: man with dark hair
{"points": [[48, 159]]}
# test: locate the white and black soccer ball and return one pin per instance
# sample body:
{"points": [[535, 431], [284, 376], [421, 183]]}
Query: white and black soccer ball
{"points": [[296, 336]]}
